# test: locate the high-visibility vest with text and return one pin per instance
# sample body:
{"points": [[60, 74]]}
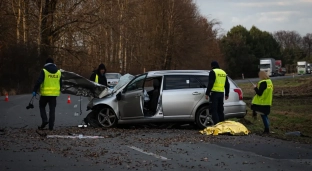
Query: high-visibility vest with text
{"points": [[219, 83], [51, 84]]}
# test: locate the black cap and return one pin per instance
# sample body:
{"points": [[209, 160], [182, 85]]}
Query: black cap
{"points": [[214, 64], [102, 66], [49, 60]]}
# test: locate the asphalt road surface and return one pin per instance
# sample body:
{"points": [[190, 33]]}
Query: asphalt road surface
{"points": [[132, 147]]}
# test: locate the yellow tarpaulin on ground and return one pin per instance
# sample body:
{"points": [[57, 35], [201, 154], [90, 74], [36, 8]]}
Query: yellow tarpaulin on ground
{"points": [[226, 127]]}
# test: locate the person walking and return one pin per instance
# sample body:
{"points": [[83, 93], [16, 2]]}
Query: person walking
{"points": [[50, 83], [98, 75], [218, 89], [262, 101]]}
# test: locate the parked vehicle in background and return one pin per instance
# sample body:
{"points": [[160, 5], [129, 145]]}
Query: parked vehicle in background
{"points": [[268, 65], [112, 79], [309, 68], [301, 67], [163, 96], [280, 70]]}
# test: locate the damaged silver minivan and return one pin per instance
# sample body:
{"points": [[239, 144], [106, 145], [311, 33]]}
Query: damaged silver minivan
{"points": [[158, 96]]}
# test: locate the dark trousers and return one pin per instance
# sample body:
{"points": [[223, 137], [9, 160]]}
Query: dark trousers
{"points": [[217, 109], [44, 100]]}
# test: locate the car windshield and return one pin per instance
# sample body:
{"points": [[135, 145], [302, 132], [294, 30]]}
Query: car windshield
{"points": [[301, 66], [123, 81], [111, 75], [264, 66]]}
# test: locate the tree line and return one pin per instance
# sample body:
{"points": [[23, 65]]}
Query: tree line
{"points": [[128, 36], [243, 49]]}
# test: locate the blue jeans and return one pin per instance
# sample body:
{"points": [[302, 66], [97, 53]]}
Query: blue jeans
{"points": [[265, 120], [217, 109]]}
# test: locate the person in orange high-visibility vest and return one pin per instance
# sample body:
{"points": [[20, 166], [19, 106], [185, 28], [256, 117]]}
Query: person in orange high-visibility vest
{"points": [[49, 83], [98, 75], [217, 90]]}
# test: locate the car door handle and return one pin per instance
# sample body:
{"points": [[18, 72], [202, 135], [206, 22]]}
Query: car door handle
{"points": [[196, 93]]}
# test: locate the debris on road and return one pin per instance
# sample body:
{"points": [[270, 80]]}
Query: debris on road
{"points": [[226, 127], [80, 136], [295, 133]]}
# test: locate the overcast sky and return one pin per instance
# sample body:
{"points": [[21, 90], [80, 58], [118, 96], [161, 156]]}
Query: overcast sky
{"points": [[267, 15]]}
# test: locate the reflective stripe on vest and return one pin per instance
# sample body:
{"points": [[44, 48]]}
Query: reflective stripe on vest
{"points": [[219, 83], [51, 84], [96, 78], [266, 97]]}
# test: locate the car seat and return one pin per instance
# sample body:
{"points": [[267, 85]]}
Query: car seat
{"points": [[154, 95]]}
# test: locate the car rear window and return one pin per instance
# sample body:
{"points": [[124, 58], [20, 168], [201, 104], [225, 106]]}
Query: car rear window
{"points": [[185, 81], [111, 76]]}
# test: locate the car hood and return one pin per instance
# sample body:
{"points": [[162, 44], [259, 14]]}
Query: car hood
{"points": [[75, 84]]}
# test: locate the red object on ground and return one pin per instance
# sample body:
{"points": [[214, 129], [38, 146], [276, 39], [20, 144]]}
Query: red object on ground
{"points": [[68, 100], [6, 97]]}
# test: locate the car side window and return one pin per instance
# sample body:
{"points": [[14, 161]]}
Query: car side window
{"points": [[176, 82], [198, 81], [136, 84]]}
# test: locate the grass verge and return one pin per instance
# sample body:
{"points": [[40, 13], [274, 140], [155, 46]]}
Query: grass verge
{"points": [[291, 109]]}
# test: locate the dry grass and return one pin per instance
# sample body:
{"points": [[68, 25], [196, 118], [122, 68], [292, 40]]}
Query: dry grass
{"points": [[291, 111]]}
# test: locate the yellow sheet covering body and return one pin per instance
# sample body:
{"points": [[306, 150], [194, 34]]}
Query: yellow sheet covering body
{"points": [[226, 127]]}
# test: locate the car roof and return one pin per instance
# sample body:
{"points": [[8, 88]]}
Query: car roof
{"points": [[176, 72]]}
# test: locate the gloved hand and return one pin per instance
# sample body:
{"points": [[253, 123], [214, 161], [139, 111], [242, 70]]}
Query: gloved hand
{"points": [[34, 93]]}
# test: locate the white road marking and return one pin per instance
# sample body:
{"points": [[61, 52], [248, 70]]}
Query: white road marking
{"points": [[74, 136], [148, 153]]}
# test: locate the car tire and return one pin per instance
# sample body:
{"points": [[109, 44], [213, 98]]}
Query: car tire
{"points": [[107, 117], [203, 117]]}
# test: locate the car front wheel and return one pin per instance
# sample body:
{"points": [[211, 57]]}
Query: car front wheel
{"points": [[107, 117], [203, 117]]}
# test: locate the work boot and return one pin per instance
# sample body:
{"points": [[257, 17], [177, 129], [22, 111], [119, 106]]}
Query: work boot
{"points": [[85, 120], [43, 125], [266, 131]]}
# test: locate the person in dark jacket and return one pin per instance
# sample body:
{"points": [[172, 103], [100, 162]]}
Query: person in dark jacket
{"points": [[262, 101], [218, 89], [98, 75], [50, 83]]}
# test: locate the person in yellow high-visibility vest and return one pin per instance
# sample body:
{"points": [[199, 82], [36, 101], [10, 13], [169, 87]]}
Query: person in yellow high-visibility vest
{"points": [[49, 83], [262, 101], [98, 75], [218, 89]]}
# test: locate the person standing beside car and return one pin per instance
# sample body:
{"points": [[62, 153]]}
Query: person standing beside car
{"points": [[218, 89], [50, 83], [98, 75], [262, 101]]}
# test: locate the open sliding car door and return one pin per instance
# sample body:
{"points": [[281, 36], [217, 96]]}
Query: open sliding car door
{"points": [[132, 99]]}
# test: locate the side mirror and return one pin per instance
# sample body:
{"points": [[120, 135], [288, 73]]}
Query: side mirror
{"points": [[118, 96]]}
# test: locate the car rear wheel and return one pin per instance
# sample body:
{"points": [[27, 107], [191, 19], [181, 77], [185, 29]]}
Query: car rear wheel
{"points": [[203, 117], [107, 117]]}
